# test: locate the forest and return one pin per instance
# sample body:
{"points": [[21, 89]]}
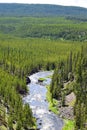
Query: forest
{"points": [[41, 10], [63, 28], [73, 72], [30, 44]]}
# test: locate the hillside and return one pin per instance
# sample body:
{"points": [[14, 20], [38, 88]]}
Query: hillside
{"points": [[41, 10], [46, 27]]}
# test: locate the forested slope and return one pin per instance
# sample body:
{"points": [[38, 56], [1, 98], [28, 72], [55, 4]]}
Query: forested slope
{"points": [[50, 28], [18, 59], [41, 10], [73, 72]]}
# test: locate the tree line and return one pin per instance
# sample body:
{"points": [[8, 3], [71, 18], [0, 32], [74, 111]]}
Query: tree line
{"points": [[73, 70]]}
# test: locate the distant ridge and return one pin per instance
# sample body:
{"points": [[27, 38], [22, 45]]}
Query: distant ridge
{"points": [[41, 10]]}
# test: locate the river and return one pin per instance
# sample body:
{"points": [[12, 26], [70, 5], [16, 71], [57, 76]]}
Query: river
{"points": [[36, 98]]}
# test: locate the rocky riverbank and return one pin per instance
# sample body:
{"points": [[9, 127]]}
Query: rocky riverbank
{"points": [[67, 111]]}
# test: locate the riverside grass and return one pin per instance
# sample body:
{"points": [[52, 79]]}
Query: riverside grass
{"points": [[69, 125], [53, 103], [53, 106]]}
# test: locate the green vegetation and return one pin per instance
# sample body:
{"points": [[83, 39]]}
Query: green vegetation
{"points": [[74, 72], [51, 28], [53, 103], [22, 57], [29, 44], [10, 86], [69, 125], [41, 79]]}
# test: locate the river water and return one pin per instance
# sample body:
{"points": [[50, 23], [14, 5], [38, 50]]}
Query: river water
{"points": [[36, 98]]}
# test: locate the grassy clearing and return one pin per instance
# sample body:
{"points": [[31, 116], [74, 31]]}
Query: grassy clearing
{"points": [[53, 104], [69, 125]]}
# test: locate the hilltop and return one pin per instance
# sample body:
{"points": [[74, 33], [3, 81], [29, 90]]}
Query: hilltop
{"points": [[41, 10]]}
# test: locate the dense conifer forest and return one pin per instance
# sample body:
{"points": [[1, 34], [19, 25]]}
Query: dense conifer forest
{"points": [[72, 71], [29, 44]]}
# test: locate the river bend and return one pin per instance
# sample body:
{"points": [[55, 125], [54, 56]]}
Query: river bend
{"points": [[36, 98]]}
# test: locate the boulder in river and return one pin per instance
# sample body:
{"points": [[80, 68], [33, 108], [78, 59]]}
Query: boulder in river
{"points": [[41, 80], [28, 80]]}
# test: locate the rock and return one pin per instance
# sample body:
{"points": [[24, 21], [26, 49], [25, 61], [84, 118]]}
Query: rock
{"points": [[40, 80], [37, 118], [66, 112], [28, 80], [40, 123], [45, 100], [70, 98], [14, 122], [85, 124]]}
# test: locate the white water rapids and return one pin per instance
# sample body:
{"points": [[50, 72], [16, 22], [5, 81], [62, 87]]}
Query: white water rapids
{"points": [[36, 98]]}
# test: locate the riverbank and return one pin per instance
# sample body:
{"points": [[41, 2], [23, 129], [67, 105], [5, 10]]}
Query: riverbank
{"points": [[69, 124], [66, 113], [53, 103]]}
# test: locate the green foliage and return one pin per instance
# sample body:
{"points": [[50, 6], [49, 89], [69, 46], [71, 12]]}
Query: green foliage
{"points": [[12, 100], [53, 103], [76, 82], [41, 79], [69, 125], [43, 27], [21, 57], [29, 44]]}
